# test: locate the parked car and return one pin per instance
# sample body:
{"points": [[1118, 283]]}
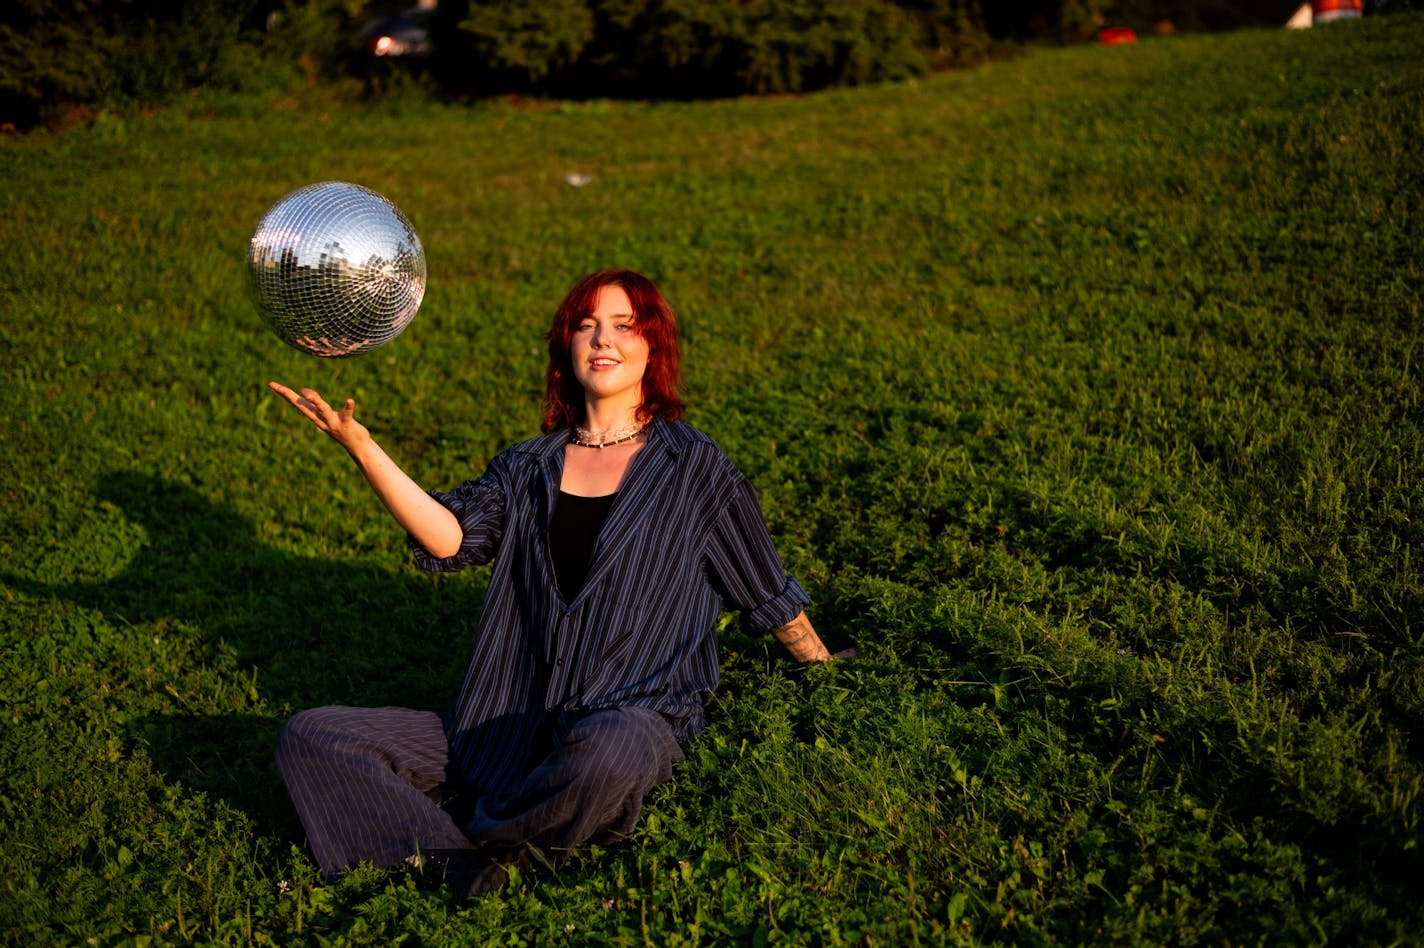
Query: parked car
{"points": [[406, 33]]}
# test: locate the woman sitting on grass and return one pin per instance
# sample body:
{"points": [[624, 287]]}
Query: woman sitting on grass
{"points": [[617, 539]]}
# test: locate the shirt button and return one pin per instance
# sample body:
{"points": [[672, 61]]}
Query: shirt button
{"points": [[559, 663]]}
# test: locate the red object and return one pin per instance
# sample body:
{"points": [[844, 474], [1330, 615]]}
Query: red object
{"points": [[1345, 7], [1114, 35]]}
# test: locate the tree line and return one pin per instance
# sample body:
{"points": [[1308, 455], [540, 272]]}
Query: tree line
{"points": [[67, 57]]}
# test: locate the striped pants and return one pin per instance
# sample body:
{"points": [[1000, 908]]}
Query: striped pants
{"points": [[368, 784]]}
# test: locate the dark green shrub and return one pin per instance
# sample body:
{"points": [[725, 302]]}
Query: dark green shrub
{"points": [[683, 48], [315, 37], [686, 47], [789, 47], [57, 55], [528, 41], [1079, 20], [951, 32]]}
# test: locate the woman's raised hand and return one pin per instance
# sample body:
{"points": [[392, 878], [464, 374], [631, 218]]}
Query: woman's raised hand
{"points": [[423, 517], [341, 425]]}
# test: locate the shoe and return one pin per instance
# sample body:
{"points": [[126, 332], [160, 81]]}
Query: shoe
{"points": [[452, 867], [494, 875], [490, 878]]}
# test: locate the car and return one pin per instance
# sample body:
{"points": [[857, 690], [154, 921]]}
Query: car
{"points": [[406, 33]]}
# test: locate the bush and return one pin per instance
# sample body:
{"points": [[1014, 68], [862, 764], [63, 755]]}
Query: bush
{"points": [[60, 55], [789, 47], [951, 32], [682, 47], [528, 41], [314, 36]]}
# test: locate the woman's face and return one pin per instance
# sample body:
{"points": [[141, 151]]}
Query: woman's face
{"points": [[609, 355]]}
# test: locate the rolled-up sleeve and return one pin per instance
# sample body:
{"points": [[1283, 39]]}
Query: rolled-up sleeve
{"points": [[479, 505], [746, 568]]}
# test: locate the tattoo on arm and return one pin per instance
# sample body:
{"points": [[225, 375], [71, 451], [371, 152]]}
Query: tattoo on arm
{"points": [[801, 640]]}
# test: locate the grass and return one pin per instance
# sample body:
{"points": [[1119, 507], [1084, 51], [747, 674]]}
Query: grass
{"points": [[1081, 391]]}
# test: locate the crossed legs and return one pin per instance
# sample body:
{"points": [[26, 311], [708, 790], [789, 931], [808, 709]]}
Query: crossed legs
{"points": [[366, 782]]}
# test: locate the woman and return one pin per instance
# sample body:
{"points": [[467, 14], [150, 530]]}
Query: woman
{"points": [[617, 538]]}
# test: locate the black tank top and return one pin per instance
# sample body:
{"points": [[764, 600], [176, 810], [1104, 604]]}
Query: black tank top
{"points": [[572, 530]]}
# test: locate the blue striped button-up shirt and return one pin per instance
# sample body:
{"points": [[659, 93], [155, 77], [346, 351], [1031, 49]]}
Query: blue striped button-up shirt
{"points": [[683, 540]]}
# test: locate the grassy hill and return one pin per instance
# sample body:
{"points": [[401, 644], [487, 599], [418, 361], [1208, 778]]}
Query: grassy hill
{"points": [[1081, 391]]}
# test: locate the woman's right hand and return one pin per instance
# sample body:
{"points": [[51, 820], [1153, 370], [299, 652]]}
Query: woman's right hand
{"points": [[341, 425], [428, 521]]}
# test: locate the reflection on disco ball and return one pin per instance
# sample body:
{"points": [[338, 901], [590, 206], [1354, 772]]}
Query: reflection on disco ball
{"points": [[336, 269]]}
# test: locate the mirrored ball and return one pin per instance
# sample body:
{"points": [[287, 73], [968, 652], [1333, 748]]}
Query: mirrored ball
{"points": [[336, 269]]}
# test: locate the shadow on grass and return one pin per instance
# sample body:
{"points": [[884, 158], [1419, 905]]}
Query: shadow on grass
{"points": [[297, 631], [227, 757]]}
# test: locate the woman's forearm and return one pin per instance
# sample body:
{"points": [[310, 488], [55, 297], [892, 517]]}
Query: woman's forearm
{"points": [[802, 641], [428, 521]]}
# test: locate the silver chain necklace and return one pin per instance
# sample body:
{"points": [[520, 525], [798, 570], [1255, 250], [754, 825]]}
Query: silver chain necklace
{"points": [[585, 438]]}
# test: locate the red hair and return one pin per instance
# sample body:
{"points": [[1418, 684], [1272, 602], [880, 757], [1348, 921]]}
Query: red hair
{"points": [[653, 319]]}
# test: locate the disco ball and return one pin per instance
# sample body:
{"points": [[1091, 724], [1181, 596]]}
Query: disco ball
{"points": [[336, 269]]}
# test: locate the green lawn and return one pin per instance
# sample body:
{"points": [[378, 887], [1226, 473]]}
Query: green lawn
{"points": [[1082, 392]]}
